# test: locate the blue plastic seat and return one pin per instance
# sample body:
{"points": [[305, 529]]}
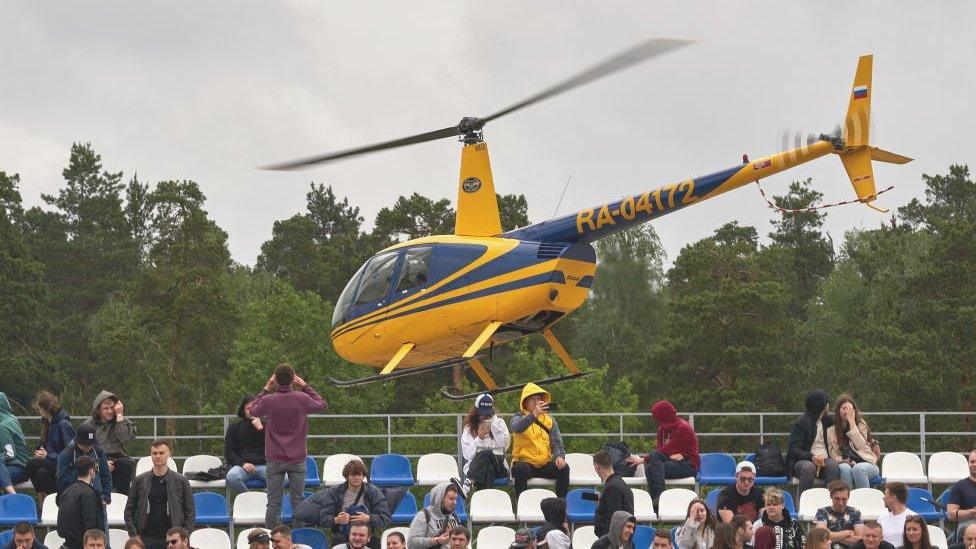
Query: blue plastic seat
{"points": [[6, 537], [459, 508], [16, 508], [286, 509], [314, 538], [767, 481], [211, 508], [312, 477], [711, 501], [920, 502], [579, 509], [717, 469], [643, 536], [406, 510], [391, 470]]}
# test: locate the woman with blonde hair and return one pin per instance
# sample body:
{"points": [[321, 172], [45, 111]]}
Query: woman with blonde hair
{"points": [[851, 445]]}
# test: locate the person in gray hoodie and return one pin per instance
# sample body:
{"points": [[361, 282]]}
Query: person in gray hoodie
{"points": [[622, 525], [431, 526], [112, 432]]}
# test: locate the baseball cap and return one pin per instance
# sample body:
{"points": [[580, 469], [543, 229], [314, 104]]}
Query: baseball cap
{"points": [[745, 466], [85, 435], [485, 404], [523, 538]]}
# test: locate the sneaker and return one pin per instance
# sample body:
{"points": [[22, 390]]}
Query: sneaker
{"points": [[463, 489]]}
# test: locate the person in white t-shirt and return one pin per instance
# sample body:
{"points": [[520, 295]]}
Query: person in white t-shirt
{"points": [[893, 523]]}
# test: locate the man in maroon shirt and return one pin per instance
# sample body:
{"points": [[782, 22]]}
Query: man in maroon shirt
{"points": [[286, 402], [677, 450]]}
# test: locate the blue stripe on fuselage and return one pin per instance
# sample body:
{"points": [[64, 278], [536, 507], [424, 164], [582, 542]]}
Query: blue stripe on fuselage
{"points": [[564, 229]]}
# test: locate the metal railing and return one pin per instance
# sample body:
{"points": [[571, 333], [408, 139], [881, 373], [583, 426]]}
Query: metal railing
{"points": [[738, 433]]}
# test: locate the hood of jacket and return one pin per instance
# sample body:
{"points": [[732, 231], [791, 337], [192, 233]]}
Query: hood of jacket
{"points": [[58, 416], [98, 401], [244, 401], [436, 507], [617, 522], [815, 402], [664, 412], [5, 408], [532, 389], [554, 511]]}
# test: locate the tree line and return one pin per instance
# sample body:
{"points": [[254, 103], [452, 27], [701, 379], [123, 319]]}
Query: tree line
{"points": [[120, 284]]}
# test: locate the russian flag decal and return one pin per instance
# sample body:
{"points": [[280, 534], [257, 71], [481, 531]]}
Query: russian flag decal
{"points": [[860, 92]]}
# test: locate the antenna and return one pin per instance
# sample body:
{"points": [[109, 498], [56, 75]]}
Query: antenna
{"points": [[566, 186]]}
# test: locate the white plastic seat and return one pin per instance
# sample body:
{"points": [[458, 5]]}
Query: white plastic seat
{"points": [[937, 537], [673, 504], [869, 501], [203, 463], [530, 504], [495, 536], [584, 536], [49, 511], [210, 538], [581, 471], [145, 464], [433, 469], [947, 467], [332, 468], [24, 486], [684, 481], [242, 537], [491, 505], [249, 508], [53, 540], [117, 537], [386, 533], [542, 481], [903, 467], [811, 500], [116, 510], [639, 478], [644, 506]]}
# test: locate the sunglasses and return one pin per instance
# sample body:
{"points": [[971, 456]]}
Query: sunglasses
{"points": [[173, 541], [746, 479]]}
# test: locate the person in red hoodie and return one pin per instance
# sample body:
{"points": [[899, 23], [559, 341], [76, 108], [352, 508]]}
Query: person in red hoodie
{"points": [[677, 450], [285, 402]]}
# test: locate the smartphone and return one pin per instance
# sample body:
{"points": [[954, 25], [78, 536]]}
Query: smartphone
{"points": [[553, 406], [590, 496]]}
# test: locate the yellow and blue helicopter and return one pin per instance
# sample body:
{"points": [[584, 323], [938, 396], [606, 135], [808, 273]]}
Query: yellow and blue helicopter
{"points": [[435, 302]]}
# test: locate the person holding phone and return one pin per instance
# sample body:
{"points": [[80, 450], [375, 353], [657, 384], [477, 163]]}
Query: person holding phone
{"points": [[537, 447], [483, 444], [353, 501]]}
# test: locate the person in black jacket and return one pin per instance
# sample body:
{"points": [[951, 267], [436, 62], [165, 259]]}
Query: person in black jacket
{"points": [[616, 495], [80, 506], [23, 538], [808, 457], [244, 449], [352, 501]]}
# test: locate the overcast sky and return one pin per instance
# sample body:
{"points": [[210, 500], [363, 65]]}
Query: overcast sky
{"points": [[210, 90]]}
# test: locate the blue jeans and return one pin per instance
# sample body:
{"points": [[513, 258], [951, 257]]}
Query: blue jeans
{"points": [[237, 476], [858, 476], [11, 475], [660, 467]]}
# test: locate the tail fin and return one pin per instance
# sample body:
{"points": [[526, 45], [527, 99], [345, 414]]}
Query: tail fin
{"points": [[857, 152]]}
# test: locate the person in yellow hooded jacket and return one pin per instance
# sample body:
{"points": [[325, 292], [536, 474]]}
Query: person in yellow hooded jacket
{"points": [[537, 447]]}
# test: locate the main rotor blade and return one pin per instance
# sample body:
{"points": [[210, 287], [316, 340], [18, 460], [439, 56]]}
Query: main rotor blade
{"points": [[419, 138], [642, 52]]}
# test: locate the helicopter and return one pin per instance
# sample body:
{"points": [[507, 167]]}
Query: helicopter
{"points": [[436, 302]]}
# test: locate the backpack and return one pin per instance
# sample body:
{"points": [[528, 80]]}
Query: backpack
{"points": [[619, 452], [769, 461]]}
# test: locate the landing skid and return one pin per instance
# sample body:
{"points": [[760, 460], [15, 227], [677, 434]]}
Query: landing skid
{"points": [[396, 374], [511, 388]]}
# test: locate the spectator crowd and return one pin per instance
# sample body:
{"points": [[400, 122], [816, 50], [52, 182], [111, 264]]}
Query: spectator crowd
{"points": [[267, 446]]}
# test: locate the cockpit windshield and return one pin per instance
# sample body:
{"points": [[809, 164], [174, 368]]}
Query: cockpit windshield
{"points": [[345, 298]]}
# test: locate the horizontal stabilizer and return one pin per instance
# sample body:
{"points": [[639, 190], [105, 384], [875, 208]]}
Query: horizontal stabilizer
{"points": [[882, 155]]}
